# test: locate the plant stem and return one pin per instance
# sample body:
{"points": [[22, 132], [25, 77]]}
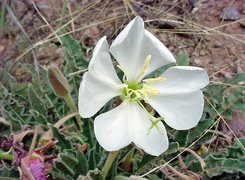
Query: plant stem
{"points": [[71, 105], [110, 158], [63, 11], [5, 155], [3, 14], [128, 160]]}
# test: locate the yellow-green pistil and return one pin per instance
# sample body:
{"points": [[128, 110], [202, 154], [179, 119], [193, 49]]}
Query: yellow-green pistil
{"points": [[131, 91]]}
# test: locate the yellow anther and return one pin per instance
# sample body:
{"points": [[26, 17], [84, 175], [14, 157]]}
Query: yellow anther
{"points": [[150, 90], [145, 65], [146, 97], [153, 80]]}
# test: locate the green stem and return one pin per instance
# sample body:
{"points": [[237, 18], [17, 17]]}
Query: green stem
{"points": [[5, 155], [128, 160], [3, 14], [71, 105], [110, 158], [63, 11]]}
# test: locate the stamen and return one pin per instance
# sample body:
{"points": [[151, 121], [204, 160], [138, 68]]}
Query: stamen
{"points": [[145, 95], [153, 80], [150, 90], [145, 65]]}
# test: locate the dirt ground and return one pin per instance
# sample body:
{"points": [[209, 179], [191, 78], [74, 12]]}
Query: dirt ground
{"points": [[211, 32]]}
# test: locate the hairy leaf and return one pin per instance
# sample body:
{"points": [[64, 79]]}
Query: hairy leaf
{"points": [[65, 164], [216, 166], [186, 137], [63, 141], [37, 104]]}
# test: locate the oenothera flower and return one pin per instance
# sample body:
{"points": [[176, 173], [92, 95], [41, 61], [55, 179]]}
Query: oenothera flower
{"points": [[175, 95]]}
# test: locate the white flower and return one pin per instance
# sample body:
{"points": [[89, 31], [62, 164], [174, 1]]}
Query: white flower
{"points": [[175, 95]]}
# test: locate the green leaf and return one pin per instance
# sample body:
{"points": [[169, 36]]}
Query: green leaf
{"points": [[82, 165], [238, 79], [28, 68], [5, 76], [9, 174], [73, 54], [159, 71], [37, 105], [64, 167], [88, 132], [12, 109], [186, 137], [226, 97], [227, 160], [19, 89], [173, 148], [74, 61], [91, 175], [63, 142], [182, 137], [199, 129], [35, 102], [182, 60], [237, 149], [96, 156], [217, 166]]}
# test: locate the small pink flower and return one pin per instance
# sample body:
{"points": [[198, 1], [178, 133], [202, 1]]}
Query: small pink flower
{"points": [[37, 168]]}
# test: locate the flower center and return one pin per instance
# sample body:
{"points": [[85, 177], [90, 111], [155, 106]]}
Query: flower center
{"points": [[133, 91], [137, 91]]}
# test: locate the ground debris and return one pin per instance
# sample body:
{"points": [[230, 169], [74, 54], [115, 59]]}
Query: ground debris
{"points": [[230, 13]]}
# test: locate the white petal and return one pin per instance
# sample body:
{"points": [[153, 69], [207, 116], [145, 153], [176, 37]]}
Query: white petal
{"points": [[101, 62], [112, 128], [94, 92], [100, 83], [180, 79], [180, 111], [126, 123], [160, 55], [127, 47], [134, 44], [153, 140]]}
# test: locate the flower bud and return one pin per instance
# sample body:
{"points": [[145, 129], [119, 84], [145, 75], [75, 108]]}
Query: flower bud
{"points": [[58, 81]]}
